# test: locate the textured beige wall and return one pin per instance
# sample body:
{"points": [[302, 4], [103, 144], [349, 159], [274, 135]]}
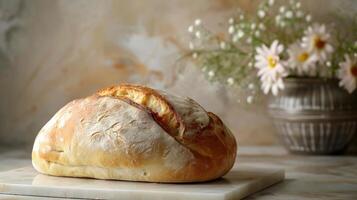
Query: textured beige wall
{"points": [[62, 49]]}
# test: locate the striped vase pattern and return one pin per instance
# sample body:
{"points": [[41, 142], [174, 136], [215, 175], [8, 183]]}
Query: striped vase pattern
{"points": [[314, 116]]}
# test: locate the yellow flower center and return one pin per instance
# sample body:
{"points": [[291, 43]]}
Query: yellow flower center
{"points": [[272, 62], [354, 70], [319, 43], [303, 57]]}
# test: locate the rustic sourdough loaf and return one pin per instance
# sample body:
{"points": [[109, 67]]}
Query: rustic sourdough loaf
{"points": [[132, 132]]}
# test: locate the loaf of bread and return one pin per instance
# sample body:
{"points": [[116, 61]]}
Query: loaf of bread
{"points": [[132, 132]]}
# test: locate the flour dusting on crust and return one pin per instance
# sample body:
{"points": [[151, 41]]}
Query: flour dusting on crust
{"points": [[130, 133], [114, 125], [193, 115]]}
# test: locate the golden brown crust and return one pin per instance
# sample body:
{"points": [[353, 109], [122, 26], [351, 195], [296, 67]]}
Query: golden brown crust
{"points": [[126, 133], [166, 115]]}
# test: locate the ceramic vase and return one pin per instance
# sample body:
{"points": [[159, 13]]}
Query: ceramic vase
{"points": [[314, 116]]}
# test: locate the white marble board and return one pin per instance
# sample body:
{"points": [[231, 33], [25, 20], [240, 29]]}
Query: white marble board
{"points": [[240, 182]]}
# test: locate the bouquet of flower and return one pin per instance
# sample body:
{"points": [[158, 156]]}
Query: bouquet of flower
{"points": [[273, 44]]}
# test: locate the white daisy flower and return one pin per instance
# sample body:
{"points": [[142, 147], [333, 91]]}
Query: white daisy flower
{"points": [[271, 68], [302, 61], [348, 74], [274, 86], [317, 42]]}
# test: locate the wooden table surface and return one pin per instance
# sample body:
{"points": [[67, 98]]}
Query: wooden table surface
{"points": [[307, 177]]}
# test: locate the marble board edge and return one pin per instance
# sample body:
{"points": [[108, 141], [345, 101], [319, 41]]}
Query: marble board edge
{"points": [[275, 177]]}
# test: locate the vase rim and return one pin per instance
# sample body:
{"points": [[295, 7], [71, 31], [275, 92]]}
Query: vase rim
{"points": [[311, 79]]}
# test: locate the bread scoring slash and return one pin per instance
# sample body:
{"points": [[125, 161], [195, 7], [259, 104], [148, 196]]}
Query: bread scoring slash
{"points": [[135, 133]]}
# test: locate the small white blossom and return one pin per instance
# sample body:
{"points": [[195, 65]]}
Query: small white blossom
{"points": [[261, 26], [271, 2], [250, 64], [282, 24], [241, 17], [261, 13], [308, 18], [194, 55], [235, 38], [257, 33], [198, 22], [231, 29], [198, 34], [328, 64], [251, 86], [282, 9], [240, 34], [250, 99], [278, 19], [298, 4], [348, 74], [271, 68], [211, 73], [289, 14], [191, 46], [299, 14], [252, 26], [231, 20], [222, 45], [249, 40], [190, 29], [317, 42], [230, 81]]}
